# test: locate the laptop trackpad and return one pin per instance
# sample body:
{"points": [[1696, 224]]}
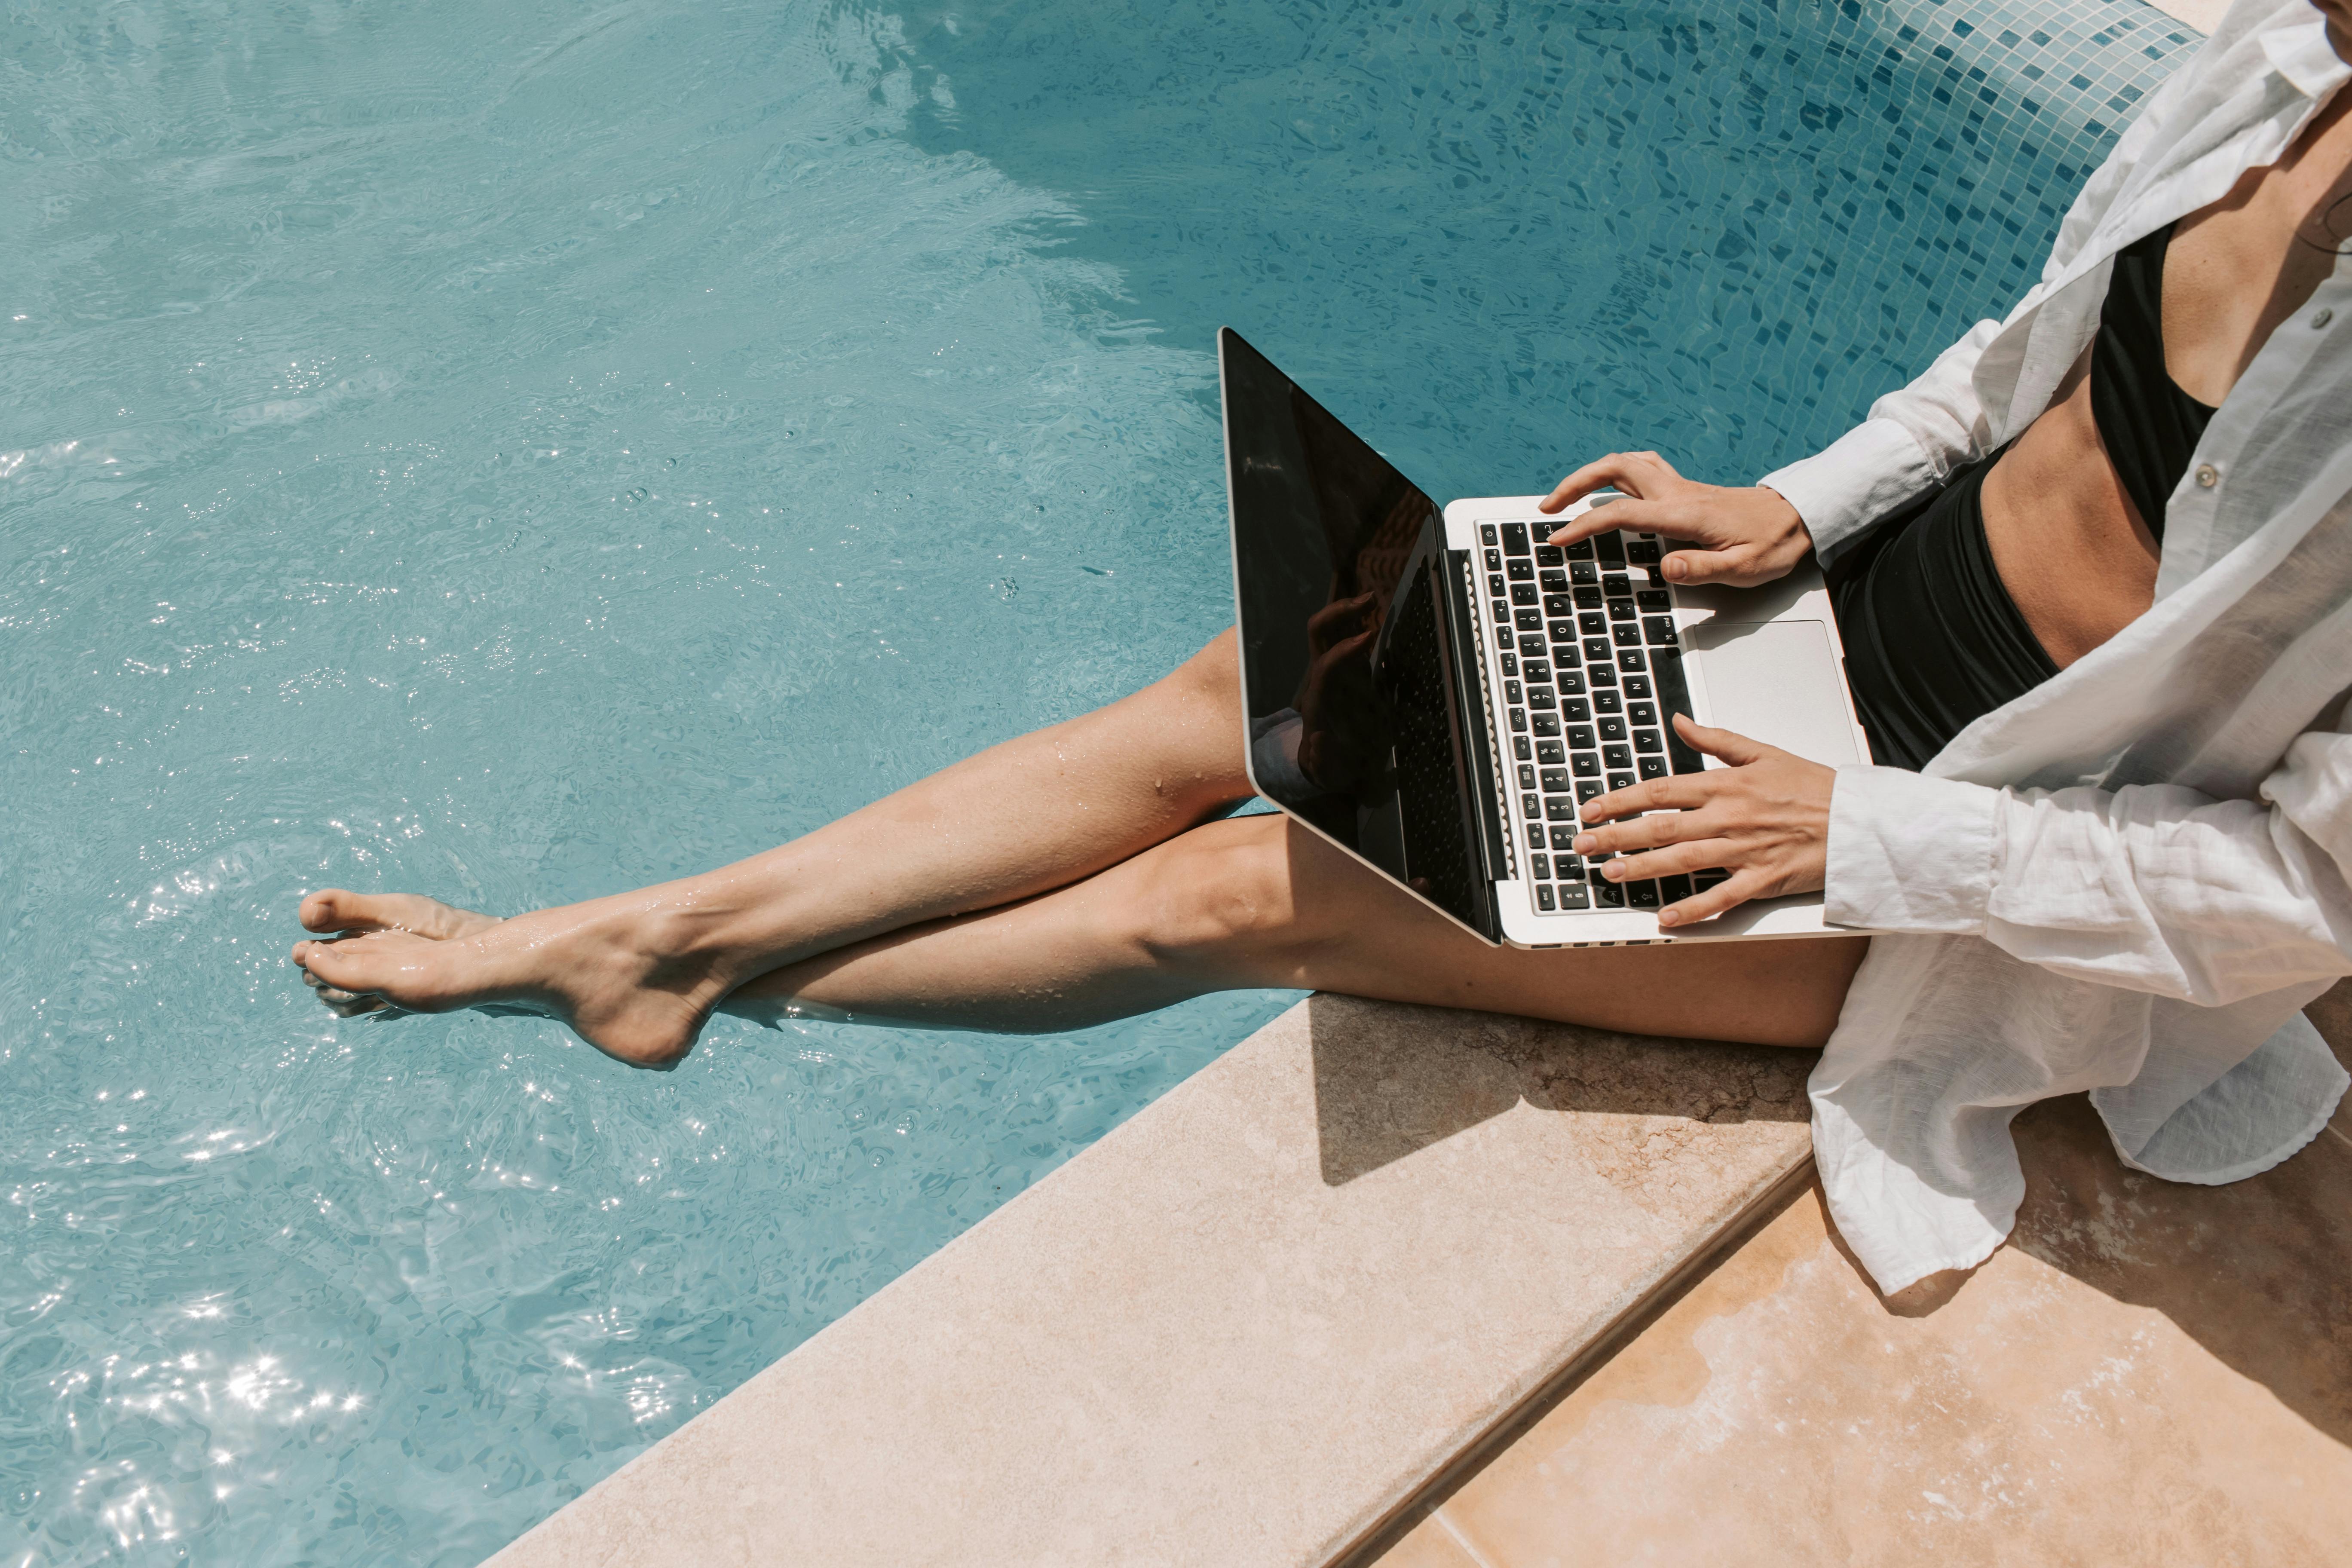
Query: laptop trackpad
{"points": [[1776, 681]]}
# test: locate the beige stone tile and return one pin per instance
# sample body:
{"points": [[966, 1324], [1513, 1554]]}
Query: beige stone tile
{"points": [[1429, 1544], [1242, 1328], [2149, 1372], [2202, 14]]}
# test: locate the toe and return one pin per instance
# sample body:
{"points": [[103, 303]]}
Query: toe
{"points": [[339, 910]]}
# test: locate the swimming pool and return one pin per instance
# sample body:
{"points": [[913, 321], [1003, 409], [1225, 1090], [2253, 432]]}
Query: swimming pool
{"points": [[514, 451]]}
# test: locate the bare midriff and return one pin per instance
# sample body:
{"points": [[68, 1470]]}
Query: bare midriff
{"points": [[2075, 554]]}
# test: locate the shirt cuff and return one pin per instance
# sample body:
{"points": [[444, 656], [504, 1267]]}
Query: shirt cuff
{"points": [[1858, 479], [1909, 853]]}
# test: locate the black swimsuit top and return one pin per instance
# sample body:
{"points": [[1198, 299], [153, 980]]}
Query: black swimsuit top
{"points": [[2150, 425]]}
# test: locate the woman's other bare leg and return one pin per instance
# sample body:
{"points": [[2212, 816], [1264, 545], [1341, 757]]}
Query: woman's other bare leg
{"points": [[1259, 902], [639, 973]]}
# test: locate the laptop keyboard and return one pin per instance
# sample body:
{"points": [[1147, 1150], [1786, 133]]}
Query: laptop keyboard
{"points": [[1592, 672]]}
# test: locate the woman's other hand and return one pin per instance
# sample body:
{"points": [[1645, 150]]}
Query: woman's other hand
{"points": [[1744, 535], [1764, 819]]}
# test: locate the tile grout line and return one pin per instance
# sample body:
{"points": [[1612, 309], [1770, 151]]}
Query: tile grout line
{"points": [[1462, 1540]]}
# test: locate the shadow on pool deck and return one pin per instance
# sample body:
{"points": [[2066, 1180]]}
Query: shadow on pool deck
{"points": [[1374, 1105]]}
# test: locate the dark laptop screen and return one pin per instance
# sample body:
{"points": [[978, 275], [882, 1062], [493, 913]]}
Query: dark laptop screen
{"points": [[1349, 663]]}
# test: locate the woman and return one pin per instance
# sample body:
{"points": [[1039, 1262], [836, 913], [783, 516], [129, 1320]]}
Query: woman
{"points": [[2092, 571]]}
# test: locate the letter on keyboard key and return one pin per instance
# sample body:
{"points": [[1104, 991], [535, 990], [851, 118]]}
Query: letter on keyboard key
{"points": [[1659, 629]]}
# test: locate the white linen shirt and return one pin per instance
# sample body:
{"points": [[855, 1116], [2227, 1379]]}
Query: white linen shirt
{"points": [[2132, 878]]}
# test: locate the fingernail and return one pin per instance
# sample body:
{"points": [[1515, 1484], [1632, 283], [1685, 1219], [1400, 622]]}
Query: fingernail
{"points": [[1668, 918], [1614, 871], [1583, 844]]}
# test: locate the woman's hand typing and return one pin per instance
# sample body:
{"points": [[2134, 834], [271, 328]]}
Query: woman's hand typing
{"points": [[1764, 819], [1744, 535]]}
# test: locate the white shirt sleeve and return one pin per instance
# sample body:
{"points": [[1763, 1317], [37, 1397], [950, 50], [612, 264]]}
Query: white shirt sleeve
{"points": [[2151, 888]]}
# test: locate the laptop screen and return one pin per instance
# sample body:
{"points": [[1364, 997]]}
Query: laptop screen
{"points": [[1349, 666]]}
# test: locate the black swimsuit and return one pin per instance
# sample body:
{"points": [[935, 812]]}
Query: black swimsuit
{"points": [[1933, 640]]}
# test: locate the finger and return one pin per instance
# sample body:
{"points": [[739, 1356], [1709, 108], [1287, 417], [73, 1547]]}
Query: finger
{"points": [[1654, 831], [1709, 903], [1675, 792], [1727, 745], [1694, 567], [1629, 471], [1629, 512], [1705, 853]]}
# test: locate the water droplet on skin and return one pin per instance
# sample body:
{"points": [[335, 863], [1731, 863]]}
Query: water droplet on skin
{"points": [[638, 494]]}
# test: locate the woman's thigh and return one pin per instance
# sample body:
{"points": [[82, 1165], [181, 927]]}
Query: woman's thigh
{"points": [[1332, 924]]}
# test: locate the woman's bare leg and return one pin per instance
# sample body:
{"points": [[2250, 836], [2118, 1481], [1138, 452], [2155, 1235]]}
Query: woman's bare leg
{"points": [[637, 973], [1259, 902]]}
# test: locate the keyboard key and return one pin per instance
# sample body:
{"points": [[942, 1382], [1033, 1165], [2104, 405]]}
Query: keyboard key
{"points": [[1673, 890], [1543, 724], [1519, 747], [1511, 693], [1638, 685], [1554, 780], [1502, 612], [1531, 647], [1531, 807], [1608, 547], [1559, 808], [1621, 781], [1563, 646], [1603, 673], [1643, 713], [1646, 741], [1522, 570], [1572, 897], [1519, 719], [1642, 895], [1543, 897], [1537, 669], [1540, 867], [1563, 835], [1553, 581], [1593, 623], [1642, 552], [1527, 777], [1627, 633], [1674, 696], [1629, 659], [1486, 533], [1608, 702], [1611, 726], [1575, 710], [1652, 767], [1493, 560], [1588, 598], [1570, 682], [1552, 753], [1608, 895], [1579, 551], [1525, 620], [1584, 571], [1581, 738], [1567, 869], [1598, 651], [1617, 757], [1713, 878], [1621, 609], [1654, 601], [1588, 764], [1510, 664], [1558, 604], [1588, 789], [1524, 594], [1659, 629], [1539, 696], [1515, 539], [1616, 584], [1494, 583], [1549, 555]]}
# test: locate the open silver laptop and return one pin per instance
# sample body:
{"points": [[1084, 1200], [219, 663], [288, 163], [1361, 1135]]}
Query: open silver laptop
{"points": [[1439, 693]]}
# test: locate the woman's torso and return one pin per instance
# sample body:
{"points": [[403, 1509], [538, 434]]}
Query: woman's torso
{"points": [[2077, 557]]}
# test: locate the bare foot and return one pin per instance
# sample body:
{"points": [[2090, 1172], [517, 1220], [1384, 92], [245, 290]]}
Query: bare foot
{"points": [[614, 969]]}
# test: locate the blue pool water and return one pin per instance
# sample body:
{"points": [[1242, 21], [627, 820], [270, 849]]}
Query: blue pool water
{"points": [[517, 449]]}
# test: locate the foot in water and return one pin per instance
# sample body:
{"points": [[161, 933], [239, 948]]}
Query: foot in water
{"points": [[599, 966]]}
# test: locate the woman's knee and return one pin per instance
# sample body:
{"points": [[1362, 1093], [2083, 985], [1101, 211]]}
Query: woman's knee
{"points": [[1219, 897]]}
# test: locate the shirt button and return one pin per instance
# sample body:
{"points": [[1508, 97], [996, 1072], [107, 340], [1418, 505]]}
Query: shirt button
{"points": [[2208, 476], [2321, 316]]}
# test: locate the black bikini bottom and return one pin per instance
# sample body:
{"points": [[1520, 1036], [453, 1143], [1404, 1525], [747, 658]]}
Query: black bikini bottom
{"points": [[1933, 641]]}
